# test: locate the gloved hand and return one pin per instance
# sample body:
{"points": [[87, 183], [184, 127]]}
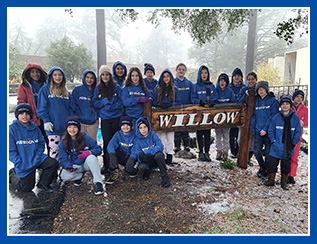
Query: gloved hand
{"points": [[212, 103], [251, 92], [71, 169], [84, 154], [143, 99], [48, 126], [203, 104], [165, 105]]}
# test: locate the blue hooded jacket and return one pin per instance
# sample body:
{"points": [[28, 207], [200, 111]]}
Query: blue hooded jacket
{"points": [[177, 100], [227, 95], [150, 85], [150, 145], [130, 95], [115, 77], [264, 110], [275, 133], [26, 147], [67, 160], [241, 96], [108, 109], [185, 87], [52, 108], [81, 99], [122, 142], [199, 91]]}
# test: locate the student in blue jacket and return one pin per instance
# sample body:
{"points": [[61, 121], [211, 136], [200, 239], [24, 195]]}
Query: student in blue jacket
{"points": [[108, 103], [185, 87], [147, 149], [150, 81], [266, 106], [78, 154], [26, 147], [204, 94], [82, 105], [119, 71], [225, 95], [54, 108], [134, 94], [284, 133], [119, 147]]}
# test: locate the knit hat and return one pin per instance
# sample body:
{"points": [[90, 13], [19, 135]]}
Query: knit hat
{"points": [[104, 68], [285, 98], [263, 84], [147, 67], [23, 107], [225, 77], [125, 120], [73, 120], [143, 120], [298, 92], [237, 71]]}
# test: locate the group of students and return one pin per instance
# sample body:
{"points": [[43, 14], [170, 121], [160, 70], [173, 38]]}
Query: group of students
{"points": [[69, 123]]}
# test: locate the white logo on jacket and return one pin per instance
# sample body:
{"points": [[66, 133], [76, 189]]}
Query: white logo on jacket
{"points": [[27, 142]]}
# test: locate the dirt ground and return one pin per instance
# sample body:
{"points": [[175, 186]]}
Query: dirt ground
{"points": [[204, 198]]}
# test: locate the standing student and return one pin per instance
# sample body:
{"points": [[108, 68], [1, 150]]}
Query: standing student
{"points": [[236, 85], [302, 112], [204, 93], [119, 71], [149, 79], [78, 154], [54, 108], [225, 95], [107, 101], [33, 78], [26, 147], [166, 94], [82, 106], [185, 87], [284, 132], [266, 106], [134, 94]]}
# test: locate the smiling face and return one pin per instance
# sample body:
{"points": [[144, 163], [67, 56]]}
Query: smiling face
{"points": [[89, 79], [166, 78], [237, 79], [72, 130], [298, 100], [286, 107], [144, 130], [105, 77], [57, 76], [125, 128], [119, 70], [251, 81], [135, 78], [24, 118], [262, 92], [35, 74], [180, 72]]}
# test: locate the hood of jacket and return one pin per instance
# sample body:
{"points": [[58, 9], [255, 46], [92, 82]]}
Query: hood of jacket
{"points": [[114, 69], [166, 70], [222, 76], [199, 81], [83, 78], [33, 126], [51, 72], [137, 132], [34, 66]]}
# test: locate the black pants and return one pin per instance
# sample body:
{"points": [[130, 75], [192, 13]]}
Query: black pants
{"points": [[108, 128], [147, 162], [181, 135], [119, 157], [233, 135], [203, 138], [48, 167], [273, 163], [45, 136]]}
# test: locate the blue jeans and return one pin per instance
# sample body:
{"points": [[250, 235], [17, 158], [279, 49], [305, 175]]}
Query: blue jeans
{"points": [[259, 141]]}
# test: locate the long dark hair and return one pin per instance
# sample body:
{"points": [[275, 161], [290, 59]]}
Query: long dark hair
{"points": [[79, 142], [129, 82], [162, 87], [253, 74], [107, 90]]}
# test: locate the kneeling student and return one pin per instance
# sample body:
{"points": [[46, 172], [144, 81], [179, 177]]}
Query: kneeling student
{"points": [[26, 147], [284, 133], [119, 147], [148, 149], [78, 154]]}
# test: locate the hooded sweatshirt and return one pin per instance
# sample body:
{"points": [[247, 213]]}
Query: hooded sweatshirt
{"points": [[150, 145], [115, 77], [52, 108], [122, 142], [225, 96], [26, 147], [28, 90], [67, 160], [81, 99], [130, 95], [150, 85], [275, 133], [241, 95], [177, 100], [199, 92], [185, 87], [302, 113]]}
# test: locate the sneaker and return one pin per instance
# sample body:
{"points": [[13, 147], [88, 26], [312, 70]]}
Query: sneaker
{"points": [[133, 176], [262, 174], [166, 181], [99, 188], [78, 182], [233, 155], [114, 177], [207, 158], [45, 188], [201, 157]]}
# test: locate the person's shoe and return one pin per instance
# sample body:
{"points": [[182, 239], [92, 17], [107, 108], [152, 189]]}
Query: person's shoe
{"points": [[250, 163], [166, 181], [45, 188], [219, 155], [169, 159], [78, 182], [207, 158], [146, 174], [11, 172], [114, 177], [233, 155], [187, 149], [224, 156], [291, 180], [271, 179], [284, 179], [133, 176], [98, 189], [201, 157], [261, 174]]}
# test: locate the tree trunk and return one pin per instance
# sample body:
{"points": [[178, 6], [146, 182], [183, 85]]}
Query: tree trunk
{"points": [[251, 41]]}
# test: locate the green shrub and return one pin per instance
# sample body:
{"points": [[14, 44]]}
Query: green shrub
{"points": [[228, 164]]}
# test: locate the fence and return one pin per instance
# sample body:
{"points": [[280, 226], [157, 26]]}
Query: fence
{"points": [[289, 89]]}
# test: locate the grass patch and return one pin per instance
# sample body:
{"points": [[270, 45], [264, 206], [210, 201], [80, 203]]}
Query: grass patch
{"points": [[228, 164]]}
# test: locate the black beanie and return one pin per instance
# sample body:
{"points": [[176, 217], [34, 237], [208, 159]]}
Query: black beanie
{"points": [[237, 71], [148, 66], [143, 120], [224, 77], [298, 92], [263, 84], [73, 120], [125, 120], [285, 98], [23, 107]]}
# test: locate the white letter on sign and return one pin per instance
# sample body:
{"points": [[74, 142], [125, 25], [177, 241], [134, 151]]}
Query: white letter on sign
{"points": [[231, 116], [191, 120], [165, 119], [179, 120], [223, 118], [205, 118]]}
